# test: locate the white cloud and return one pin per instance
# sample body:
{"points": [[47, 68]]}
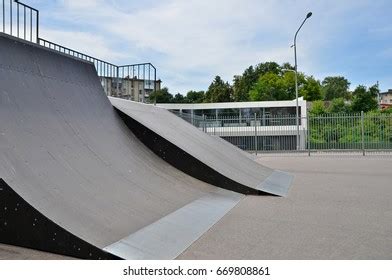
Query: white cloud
{"points": [[207, 37], [83, 42]]}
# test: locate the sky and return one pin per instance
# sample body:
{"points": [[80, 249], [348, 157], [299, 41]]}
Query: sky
{"points": [[192, 41]]}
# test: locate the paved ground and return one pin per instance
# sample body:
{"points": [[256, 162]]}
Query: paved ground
{"points": [[339, 207], [16, 253]]}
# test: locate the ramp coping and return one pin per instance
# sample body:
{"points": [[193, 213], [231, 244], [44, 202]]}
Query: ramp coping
{"points": [[168, 237], [278, 183]]}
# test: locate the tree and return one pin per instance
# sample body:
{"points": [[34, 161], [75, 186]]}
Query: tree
{"points": [[338, 106], [311, 89], [219, 91], [272, 86], [335, 87], [244, 83], [269, 87], [387, 111], [179, 98], [195, 96], [161, 96], [365, 99], [269, 67], [318, 108]]}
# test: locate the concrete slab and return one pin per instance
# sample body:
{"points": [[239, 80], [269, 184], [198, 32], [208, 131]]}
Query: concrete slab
{"points": [[339, 208], [8, 252]]}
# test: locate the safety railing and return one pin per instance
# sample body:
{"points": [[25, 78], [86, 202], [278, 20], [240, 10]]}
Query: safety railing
{"points": [[22, 21], [19, 20], [104, 68], [329, 132]]}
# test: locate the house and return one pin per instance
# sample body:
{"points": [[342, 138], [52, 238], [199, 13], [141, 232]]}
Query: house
{"points": [[135, 89], [386, 99]]}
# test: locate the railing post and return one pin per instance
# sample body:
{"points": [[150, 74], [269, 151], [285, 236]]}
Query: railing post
{"points": [[255, 120], [37, 22], [4, 16], [11, 17], [17, 19], [363, 132], [204, 124], [308, 133], [155, 79], [117, 83]]}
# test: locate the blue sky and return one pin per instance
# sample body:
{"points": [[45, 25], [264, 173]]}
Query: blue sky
{"points": [[192, 41]]}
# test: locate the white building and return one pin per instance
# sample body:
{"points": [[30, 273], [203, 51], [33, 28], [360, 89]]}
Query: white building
{"points": [[271, 123]]}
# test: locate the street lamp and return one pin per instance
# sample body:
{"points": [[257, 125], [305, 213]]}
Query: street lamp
{"points": [[296, 77]]}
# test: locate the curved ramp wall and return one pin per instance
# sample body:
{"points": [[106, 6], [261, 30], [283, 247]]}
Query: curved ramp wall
{"points": [[67, 154], [198, 154]]}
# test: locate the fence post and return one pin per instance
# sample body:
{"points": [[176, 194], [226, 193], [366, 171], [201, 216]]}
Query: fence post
{"points": [[363, 132], [37, 23], [308, 133], [204, 124], [117, 82], [256, 148]]}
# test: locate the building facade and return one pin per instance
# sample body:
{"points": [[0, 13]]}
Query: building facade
{"points": [[386, 99], [130, 88], [273, 122]]}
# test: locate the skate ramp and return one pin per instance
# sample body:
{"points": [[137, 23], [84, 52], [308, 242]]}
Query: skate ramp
{"points": [[198, 154], [70, 167]]}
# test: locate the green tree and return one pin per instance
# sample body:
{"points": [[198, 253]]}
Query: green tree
{"points": [[269, 67], [338, 106], [161, 96], [243, 84], [387, 111], [335, 87], [311, 89], [365, 99], [269, 87], [219, 91], [195, 96], [273, 86], [179, 98], [318, 108]]}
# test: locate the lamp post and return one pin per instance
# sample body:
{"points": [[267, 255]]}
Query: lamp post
{"points": [[296, 77]]}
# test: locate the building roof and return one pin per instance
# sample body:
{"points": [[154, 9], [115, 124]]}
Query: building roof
{"points": [[231, 105], [387, 92]]}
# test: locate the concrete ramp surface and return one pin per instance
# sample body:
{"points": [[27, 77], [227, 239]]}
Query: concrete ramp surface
{"points": [[198, 154], [74, 179]]}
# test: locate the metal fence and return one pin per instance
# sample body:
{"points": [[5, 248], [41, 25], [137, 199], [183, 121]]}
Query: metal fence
{"points": [[22, 21], [329, 132], [19, 20]]}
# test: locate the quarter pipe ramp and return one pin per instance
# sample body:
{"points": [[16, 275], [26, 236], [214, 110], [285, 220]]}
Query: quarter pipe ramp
{"points": [[198, 154], [75, 180]]}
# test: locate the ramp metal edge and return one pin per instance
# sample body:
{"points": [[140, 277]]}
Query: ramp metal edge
{"points": [[278, 183], [168, 237], [24, 226]]}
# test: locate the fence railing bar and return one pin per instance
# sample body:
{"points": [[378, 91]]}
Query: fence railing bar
{"points": [[340, 132], [11, 17], [31, 32], [24, 22], [3, 16], [26, 6], [31, 25], [17, 20]]}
